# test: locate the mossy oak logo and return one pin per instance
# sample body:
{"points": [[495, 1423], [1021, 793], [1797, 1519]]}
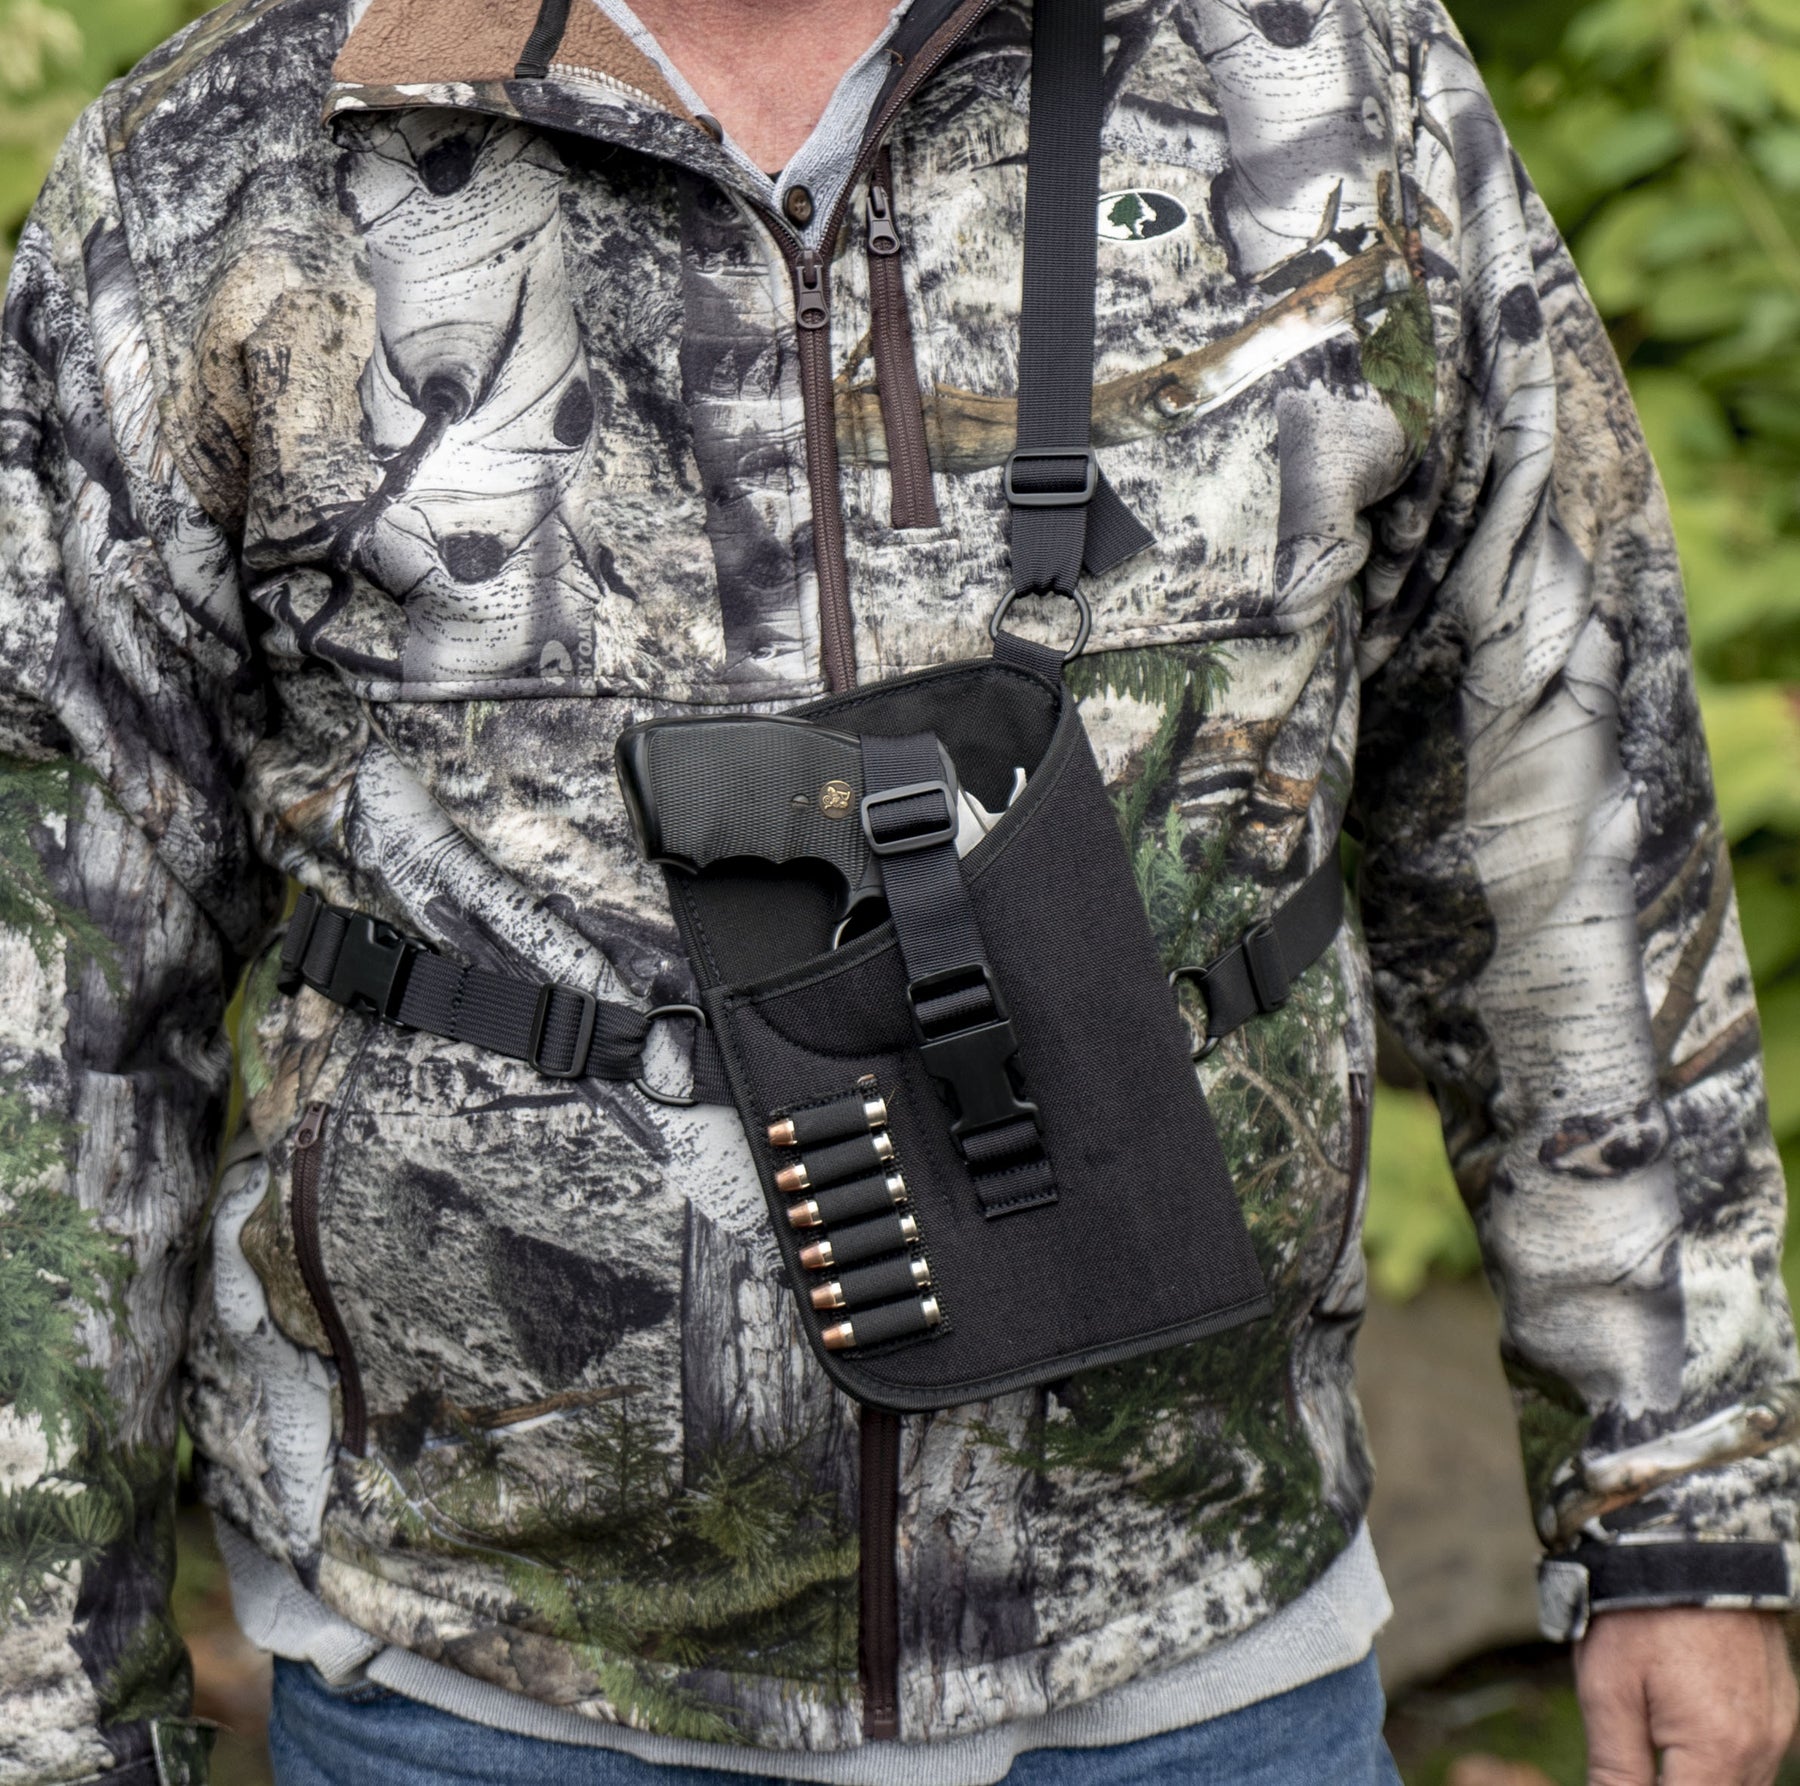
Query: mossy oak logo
{"points": [[1139, 214]]}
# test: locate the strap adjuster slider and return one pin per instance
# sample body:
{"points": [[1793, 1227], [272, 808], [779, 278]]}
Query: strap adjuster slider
{"points": [[1264, 958], [1050, 492], [584, 1031], [906, 842]]}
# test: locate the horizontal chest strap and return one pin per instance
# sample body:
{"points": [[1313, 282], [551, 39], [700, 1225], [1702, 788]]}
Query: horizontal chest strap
{"points": [[560, 1031]]}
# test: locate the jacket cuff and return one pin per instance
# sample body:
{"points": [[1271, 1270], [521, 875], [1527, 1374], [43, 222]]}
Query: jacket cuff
{"points": [[1658, 1571]]}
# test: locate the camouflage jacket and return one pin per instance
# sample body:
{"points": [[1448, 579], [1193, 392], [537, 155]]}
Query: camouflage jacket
{"points": [[385, 425]]}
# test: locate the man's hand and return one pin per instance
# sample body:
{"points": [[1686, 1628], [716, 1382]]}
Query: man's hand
{"points": [[1713, 1691]]}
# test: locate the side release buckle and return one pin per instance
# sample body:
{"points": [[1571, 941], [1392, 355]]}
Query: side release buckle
{"points": [[374, 963], [972, 1061]]}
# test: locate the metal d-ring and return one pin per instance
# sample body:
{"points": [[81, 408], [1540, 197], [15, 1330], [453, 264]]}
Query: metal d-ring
{"points": [[679, 1100], [1207, 1043], [1081, 602]]}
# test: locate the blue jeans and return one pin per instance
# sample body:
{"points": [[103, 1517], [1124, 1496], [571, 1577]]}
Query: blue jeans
{"points": [[1329, 1730]]}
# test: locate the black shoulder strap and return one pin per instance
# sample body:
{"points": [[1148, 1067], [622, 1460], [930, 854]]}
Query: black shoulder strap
{"points": [[1065, 516]]}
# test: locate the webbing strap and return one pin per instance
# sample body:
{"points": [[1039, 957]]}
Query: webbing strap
{"points": [[560, 1031], [1255, 973], [922, 880], [1065, 516], [965, 1039]]}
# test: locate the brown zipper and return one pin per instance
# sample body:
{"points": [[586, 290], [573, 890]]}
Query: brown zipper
{"points": [[896, 366], [878, 1648], [812, 312], [309, 1152], [837, 629]]}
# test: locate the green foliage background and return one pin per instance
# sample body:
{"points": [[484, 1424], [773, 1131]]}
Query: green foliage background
{"points": [[1665, 136]]}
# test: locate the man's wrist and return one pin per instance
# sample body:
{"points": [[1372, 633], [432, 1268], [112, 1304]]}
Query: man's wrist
{"points": [[1655, 1570]]}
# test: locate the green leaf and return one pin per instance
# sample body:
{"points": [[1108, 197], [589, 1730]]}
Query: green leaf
{"points": [[1779, 1009], [1416, 1221], [1632, 145], [1754, 733], [1768, 895]]}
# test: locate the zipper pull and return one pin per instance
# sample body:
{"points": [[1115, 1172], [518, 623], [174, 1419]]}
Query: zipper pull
{"points": [[883, 237], [312, 1126], [812, 308]]}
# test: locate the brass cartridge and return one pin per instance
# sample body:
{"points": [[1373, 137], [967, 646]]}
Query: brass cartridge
{"points": [[832, 1165], [850, 1202], [895, 1320], [880, 1282], [867, 1240], [829, 1122]]}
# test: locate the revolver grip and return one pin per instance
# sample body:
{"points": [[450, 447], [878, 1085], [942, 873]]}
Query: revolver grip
{"points": [[781, 790]]}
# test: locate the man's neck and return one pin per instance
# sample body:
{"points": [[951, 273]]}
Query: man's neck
{"points": [[766, 71]]}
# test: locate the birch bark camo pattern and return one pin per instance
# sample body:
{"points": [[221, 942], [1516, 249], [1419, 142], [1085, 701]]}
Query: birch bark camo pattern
{"points": [[362, 479]]}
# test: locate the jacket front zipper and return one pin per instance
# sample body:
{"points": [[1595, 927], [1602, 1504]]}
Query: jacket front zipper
{"points": [[812, 314], [309, 1152], [896, 367], [878, 1624]]}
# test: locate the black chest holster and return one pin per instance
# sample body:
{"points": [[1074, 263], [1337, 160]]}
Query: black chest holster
{"points": [[960, 1065]]}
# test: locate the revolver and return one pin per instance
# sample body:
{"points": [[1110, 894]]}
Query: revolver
{"points": [[773, 787]]}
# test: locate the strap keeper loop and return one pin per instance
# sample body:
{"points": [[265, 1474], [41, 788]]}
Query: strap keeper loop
{"points": [[1263, 956]]}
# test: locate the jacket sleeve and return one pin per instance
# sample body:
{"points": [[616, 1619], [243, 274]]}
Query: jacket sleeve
{"points": [[126, 891], [1549, 911]]}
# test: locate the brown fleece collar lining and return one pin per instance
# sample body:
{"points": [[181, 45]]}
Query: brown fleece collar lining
{"points": [[426, 43]]}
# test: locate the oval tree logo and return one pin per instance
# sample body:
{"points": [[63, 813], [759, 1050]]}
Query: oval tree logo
{"points": [[1139, 214]]}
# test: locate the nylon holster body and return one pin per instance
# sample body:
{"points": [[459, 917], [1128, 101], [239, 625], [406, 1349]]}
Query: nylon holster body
{"points": [[1139, 1243]]}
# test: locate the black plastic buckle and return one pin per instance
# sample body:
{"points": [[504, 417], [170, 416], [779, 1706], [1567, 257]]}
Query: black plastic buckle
{"points": [[973, 1061], [944, 832], [584, 1032], [1267, 964], [373, 966], [1054, 498]]}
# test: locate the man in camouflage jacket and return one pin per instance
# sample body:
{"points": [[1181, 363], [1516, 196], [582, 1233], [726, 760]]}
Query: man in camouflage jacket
{"points": [[399, 398]]}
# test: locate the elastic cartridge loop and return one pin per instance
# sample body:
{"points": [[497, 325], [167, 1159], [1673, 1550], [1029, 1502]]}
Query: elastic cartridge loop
{"points": [[680, 1100]]}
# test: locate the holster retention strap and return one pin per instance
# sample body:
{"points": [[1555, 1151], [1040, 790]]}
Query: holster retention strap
{"points": [[965, 1038]]}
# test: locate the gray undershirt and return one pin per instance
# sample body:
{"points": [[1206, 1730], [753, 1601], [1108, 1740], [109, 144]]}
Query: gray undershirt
{"points": [[823, 163], [1331, 1626]]}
